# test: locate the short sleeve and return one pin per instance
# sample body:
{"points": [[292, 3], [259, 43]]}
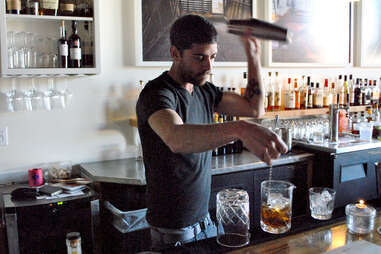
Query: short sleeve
{"points": [[153, 99]]}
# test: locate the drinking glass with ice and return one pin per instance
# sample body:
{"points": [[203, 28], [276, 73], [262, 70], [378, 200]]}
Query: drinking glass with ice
{"points": [[322, 202]]}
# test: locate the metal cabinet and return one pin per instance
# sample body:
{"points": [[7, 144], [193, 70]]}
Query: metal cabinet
{"points": [[353, 175]]}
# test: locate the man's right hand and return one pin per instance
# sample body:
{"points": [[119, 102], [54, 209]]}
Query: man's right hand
{"points": [[260, 141]]}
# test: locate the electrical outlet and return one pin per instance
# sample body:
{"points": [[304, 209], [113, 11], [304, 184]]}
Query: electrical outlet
{"points": [[3, 136]]}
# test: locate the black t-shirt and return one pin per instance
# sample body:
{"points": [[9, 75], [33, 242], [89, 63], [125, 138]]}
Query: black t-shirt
{"points": [[178, 184]]}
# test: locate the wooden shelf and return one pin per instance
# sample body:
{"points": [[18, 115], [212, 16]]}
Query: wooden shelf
{"points": [[306, 112], [37, 17]]}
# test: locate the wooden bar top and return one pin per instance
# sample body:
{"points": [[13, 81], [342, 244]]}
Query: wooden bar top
{"points": [[318, 240]]}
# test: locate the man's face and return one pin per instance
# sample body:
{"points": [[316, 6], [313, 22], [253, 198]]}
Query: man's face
{"points": [[196, 63]]}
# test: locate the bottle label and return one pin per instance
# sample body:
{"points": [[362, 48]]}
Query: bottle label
{"points": [[310, 100], [67, 7], [291, 100], [49, 4], [277, 99], [64, 50], [270, 100], [13, 4], [75, 54]]}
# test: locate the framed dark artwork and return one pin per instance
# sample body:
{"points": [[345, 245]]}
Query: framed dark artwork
{"points": [[155, 17], [320, 33]]}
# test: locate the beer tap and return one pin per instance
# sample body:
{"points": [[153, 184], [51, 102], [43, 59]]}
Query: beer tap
{"points": [[334, 119]]}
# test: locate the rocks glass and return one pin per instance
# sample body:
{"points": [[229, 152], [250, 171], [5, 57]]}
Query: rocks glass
{"points": [[233, 218], [322, 202]]}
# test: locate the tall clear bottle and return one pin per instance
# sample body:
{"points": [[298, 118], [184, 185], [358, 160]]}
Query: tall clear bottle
{"points": [[351, 91], [270, 93], [376, 92], [326, 95], [290, 96], [297, 94], [303, 93], [277, 93], [318, 95], [310, 93]]}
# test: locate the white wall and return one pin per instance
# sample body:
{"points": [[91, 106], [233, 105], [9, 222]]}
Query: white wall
{"points": [[82, 132]]}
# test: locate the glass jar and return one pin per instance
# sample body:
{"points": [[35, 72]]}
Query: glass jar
{"points": [[73, 243], [360, 218]]}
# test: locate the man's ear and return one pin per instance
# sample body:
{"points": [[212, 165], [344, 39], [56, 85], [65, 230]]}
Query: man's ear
{"points": [[175, 53]]}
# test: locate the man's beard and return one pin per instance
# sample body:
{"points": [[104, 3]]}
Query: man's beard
{"points": [[198, 79]]}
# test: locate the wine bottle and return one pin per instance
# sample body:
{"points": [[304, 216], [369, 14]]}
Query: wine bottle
{"points": [[75, 53], [87, 46], [13, 6], [67, 8], [32, 7], [63, 47], [49, 7]]}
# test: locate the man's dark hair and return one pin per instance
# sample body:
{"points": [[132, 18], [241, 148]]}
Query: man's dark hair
{"points": [[192, 29]]}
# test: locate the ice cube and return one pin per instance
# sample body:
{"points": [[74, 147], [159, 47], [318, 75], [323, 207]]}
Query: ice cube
{"points": [[326, 196], [315, 199], [277, 201]]}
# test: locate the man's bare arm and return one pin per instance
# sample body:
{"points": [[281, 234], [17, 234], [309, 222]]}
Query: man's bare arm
{"points": [[252, 103], [193, 138]]}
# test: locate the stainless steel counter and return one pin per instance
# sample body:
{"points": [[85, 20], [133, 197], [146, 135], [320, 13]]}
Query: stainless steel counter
{"points": [[131, 171], [345, 145]]}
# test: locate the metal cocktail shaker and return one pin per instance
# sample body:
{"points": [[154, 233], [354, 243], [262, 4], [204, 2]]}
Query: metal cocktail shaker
{"points": [[259, 28]]}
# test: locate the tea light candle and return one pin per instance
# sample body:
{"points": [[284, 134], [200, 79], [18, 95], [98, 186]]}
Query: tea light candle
{"points": [[360, 218]]}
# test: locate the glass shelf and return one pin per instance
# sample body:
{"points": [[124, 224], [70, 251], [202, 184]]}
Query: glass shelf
{"points": [[37, 17]]}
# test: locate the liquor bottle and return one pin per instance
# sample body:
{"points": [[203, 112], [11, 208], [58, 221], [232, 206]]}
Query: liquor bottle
{"points": [[368, 93], [87, 46], [32, 7], [270, 94], [351, 91], [290, 97], [13, 7], [356, 124], [341, 93], [363, 86], [67, 8], [84, 8], [49, 7], [318, 95], [244, 83], [303, 94], [221, 150], [376, 92], [277, 93], [297, 94], [63, 47], [346, 90], [310, 96], [376, 113], [333, 93], [215, 150], [75, 52], [358, 98], [266, 98], [327, 96]]}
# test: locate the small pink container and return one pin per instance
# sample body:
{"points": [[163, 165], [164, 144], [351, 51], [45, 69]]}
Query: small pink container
{"points": [[35, 177]]}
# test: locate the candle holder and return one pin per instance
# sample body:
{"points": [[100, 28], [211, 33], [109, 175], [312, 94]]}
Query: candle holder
{"points": [[360, 218]]}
